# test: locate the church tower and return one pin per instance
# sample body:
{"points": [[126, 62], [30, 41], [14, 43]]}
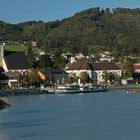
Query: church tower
{"points": [[2, 61], [1, 53]]}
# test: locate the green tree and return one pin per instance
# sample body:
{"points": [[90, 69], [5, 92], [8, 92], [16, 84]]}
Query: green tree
{"points": [[73, 78], [23, 79], [128, 68], [111, 77], [46, 62], [105, 76], [34, 79], [84, 77], [30, 56], [117, 78], [59, 60]]}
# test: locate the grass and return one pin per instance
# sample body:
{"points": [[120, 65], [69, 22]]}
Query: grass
{"points": [[18, 48]]}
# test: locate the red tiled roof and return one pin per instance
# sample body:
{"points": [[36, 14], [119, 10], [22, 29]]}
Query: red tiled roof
{"points": [[136, 66]]}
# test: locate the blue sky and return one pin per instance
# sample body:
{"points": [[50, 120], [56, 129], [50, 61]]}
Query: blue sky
{"points": [[15, 11]]}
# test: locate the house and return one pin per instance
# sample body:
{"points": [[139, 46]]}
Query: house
{"points": [[38, 54], [94, 69], [67, 55], [106, 56], [79, 56], [14, 64], [34, 43], [136, 67], [105, 53], [58, 76]]}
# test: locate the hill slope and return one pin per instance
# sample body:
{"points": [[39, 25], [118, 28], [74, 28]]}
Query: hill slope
{"points": [[88, 31]]}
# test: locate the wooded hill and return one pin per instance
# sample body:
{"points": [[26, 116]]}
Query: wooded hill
{"points": [[88, 31]]}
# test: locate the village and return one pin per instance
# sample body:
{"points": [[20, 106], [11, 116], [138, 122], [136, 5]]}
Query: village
{"points": [[69, 70], [79, 69]]}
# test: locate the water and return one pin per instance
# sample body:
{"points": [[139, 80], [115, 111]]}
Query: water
{"points": [[95, 116]]}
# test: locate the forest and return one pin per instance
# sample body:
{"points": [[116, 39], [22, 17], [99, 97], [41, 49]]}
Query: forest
{"points": [[89, 31]]}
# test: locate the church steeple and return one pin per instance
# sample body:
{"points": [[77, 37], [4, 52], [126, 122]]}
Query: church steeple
{"points": [[2, 61], [2, 50]]}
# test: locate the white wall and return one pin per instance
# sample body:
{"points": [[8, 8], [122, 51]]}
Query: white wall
{"points": [[95, 75], [100, 73]]}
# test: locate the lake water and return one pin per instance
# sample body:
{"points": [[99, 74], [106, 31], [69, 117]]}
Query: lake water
{"points": [[94, 116]]}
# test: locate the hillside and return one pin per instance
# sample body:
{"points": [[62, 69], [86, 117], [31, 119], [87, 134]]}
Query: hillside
{"points": [[88, 31], [18, 48], [95, 29]]}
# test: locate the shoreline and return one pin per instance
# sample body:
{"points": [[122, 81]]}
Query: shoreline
{"points": [[124, 87], [38, 91], [21, 92], [3, 104]]}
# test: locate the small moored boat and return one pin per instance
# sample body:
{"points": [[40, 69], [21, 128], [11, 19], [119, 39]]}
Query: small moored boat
{"points": [[132, 91]]}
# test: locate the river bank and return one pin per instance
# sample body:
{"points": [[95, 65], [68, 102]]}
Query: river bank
{"points": [[38, 91], [124, 87], [3, 105], [20, 92]]}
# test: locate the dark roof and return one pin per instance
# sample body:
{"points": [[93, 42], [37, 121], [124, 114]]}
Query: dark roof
{"points": [[81, 65], [91, 65], [3, 77], [16, 60], [6, 53], [106, 66]]}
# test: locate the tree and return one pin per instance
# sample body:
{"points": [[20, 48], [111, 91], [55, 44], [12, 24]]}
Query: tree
{"points": [[128, 68], [33, 78], [117, 78], [59, 60], [23, 79], [111, 77], [30, 56], [84, 77], [105, 76], [46, 62], [73, 78]]}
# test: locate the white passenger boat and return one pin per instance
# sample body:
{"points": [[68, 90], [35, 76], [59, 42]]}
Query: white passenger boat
{"points": [[92, 88], [85, 89], [75, 88], [99, 88], [68, 89]]}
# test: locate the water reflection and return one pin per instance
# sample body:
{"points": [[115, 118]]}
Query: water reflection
{"points": [[3, 137]]}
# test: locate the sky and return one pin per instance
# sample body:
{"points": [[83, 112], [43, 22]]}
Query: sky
{"points": [[16, 11]]}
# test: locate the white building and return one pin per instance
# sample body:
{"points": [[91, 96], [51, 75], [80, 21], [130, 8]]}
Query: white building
{"points": [[136, 67], [106, 56], [94, 69]]}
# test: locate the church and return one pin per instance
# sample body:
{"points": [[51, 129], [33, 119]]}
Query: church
{"points": [[12, 65]]}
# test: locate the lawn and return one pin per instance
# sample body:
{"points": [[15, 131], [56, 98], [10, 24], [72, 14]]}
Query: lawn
{"points": [[18, 48]]}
